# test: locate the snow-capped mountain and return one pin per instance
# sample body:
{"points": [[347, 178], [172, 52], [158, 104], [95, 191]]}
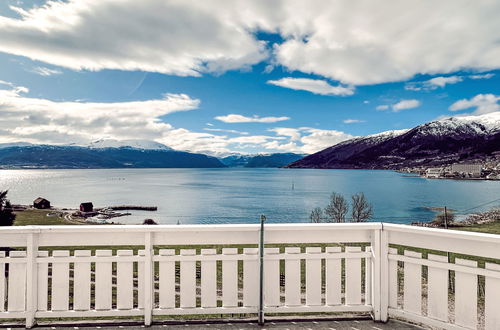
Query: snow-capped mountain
{"points": [[136, 144], [443, 141], [15, 144]]}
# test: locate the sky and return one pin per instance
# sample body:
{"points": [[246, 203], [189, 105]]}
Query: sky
{"points": [[230, 76]]}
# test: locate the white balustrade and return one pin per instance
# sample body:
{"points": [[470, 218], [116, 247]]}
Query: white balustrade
{"points": [[214, 269]]}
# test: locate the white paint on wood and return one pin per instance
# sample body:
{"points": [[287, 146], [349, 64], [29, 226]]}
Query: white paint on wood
{"points": [[393, 280], [466, 296], [140, 279], [124, 281], [17, 283], [60, 282], [3, 282], [43, 282], [492, 299], [103, 281], [353, 277], [292, 277], [208, 279], [82, 284], [333, 277], [313, 278], [167, 279], [412, 284], [188, 280], [271, 278], [368, 279], [437, 290], [250, 279], [230, 279]]}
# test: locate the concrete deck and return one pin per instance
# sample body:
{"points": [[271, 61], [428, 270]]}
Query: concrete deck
{"points": [[274, 325]]}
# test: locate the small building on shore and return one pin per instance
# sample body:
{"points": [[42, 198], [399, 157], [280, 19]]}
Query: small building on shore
{"points": [[434, 172], [41, 203], [86, 207], [472, 170]]}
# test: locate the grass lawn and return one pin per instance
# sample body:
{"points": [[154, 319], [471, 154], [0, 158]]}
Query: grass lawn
{"points": [[489, 228], [38, 217]]}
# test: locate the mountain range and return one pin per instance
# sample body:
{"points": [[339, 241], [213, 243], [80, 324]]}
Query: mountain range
{"points": [[108, 153], [262, 160], [440, 142], [101, 155]]}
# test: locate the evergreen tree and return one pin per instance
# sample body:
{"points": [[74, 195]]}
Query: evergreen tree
{"points": [[7, 217]]}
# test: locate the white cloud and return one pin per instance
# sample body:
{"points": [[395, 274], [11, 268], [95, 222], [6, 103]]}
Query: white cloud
{"points": [[315, 86], [482, 76], [292, 133], [356, 43], [482, 103], [43, 71], [225, 131], [182, 38], [306, 139], [401, 105], [44, 121], [434, 83], [319, 139], [441, 82], [405, 104], [382, 107], [352, 121], [234, 118], [38, 120]]}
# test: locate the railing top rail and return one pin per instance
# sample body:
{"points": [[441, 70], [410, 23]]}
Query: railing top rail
{"points": [[194, 227], [445, 233]]}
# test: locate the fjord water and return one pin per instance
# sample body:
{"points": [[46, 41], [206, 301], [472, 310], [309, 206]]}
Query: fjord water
{"points": [[239, 195]]}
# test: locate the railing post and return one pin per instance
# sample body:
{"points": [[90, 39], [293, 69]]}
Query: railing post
{"points": [[148, 278], [384, 275], [376, 275], [261, 271], [31, 279]]}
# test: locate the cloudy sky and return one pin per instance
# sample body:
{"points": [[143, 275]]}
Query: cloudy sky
{"points": [[241, 76]]}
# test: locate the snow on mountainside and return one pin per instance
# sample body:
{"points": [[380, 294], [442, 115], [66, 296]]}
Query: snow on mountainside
{"points": [[443, 141], [136, 144], [491, 121]]}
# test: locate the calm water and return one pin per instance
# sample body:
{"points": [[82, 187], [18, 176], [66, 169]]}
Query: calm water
{"points": [[241, 195]]}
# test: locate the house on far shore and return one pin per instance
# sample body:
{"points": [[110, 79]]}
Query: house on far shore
{"points": [[434, 172], [86, 207], [41, 203]]}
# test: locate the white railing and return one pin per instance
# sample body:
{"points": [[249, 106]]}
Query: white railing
{"points": [[107, 271]]}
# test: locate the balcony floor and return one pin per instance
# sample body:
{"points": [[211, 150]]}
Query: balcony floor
{"points": [[281, 325]]}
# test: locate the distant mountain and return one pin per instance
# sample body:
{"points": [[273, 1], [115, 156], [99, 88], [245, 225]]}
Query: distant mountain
{"points": [[436, 143], [136, 144], [265, 160], [235, 160], [46, 156]]}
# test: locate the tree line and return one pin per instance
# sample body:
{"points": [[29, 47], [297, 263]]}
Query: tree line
{"points": [[338, 208]]}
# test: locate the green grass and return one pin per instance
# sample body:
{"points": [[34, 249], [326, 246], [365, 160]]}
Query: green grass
{"points": [[32, 217], [488, 228]]}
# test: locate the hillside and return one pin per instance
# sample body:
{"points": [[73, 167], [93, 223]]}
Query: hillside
{"points": [[436, 143], [264, 160], [45, 156]]}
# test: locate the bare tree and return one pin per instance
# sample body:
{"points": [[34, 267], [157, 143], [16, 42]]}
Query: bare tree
{"points": [[337, 209], [316, 215], [361, 209]]}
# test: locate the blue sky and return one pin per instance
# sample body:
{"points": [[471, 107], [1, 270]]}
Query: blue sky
{"points": [[299, 82]]}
